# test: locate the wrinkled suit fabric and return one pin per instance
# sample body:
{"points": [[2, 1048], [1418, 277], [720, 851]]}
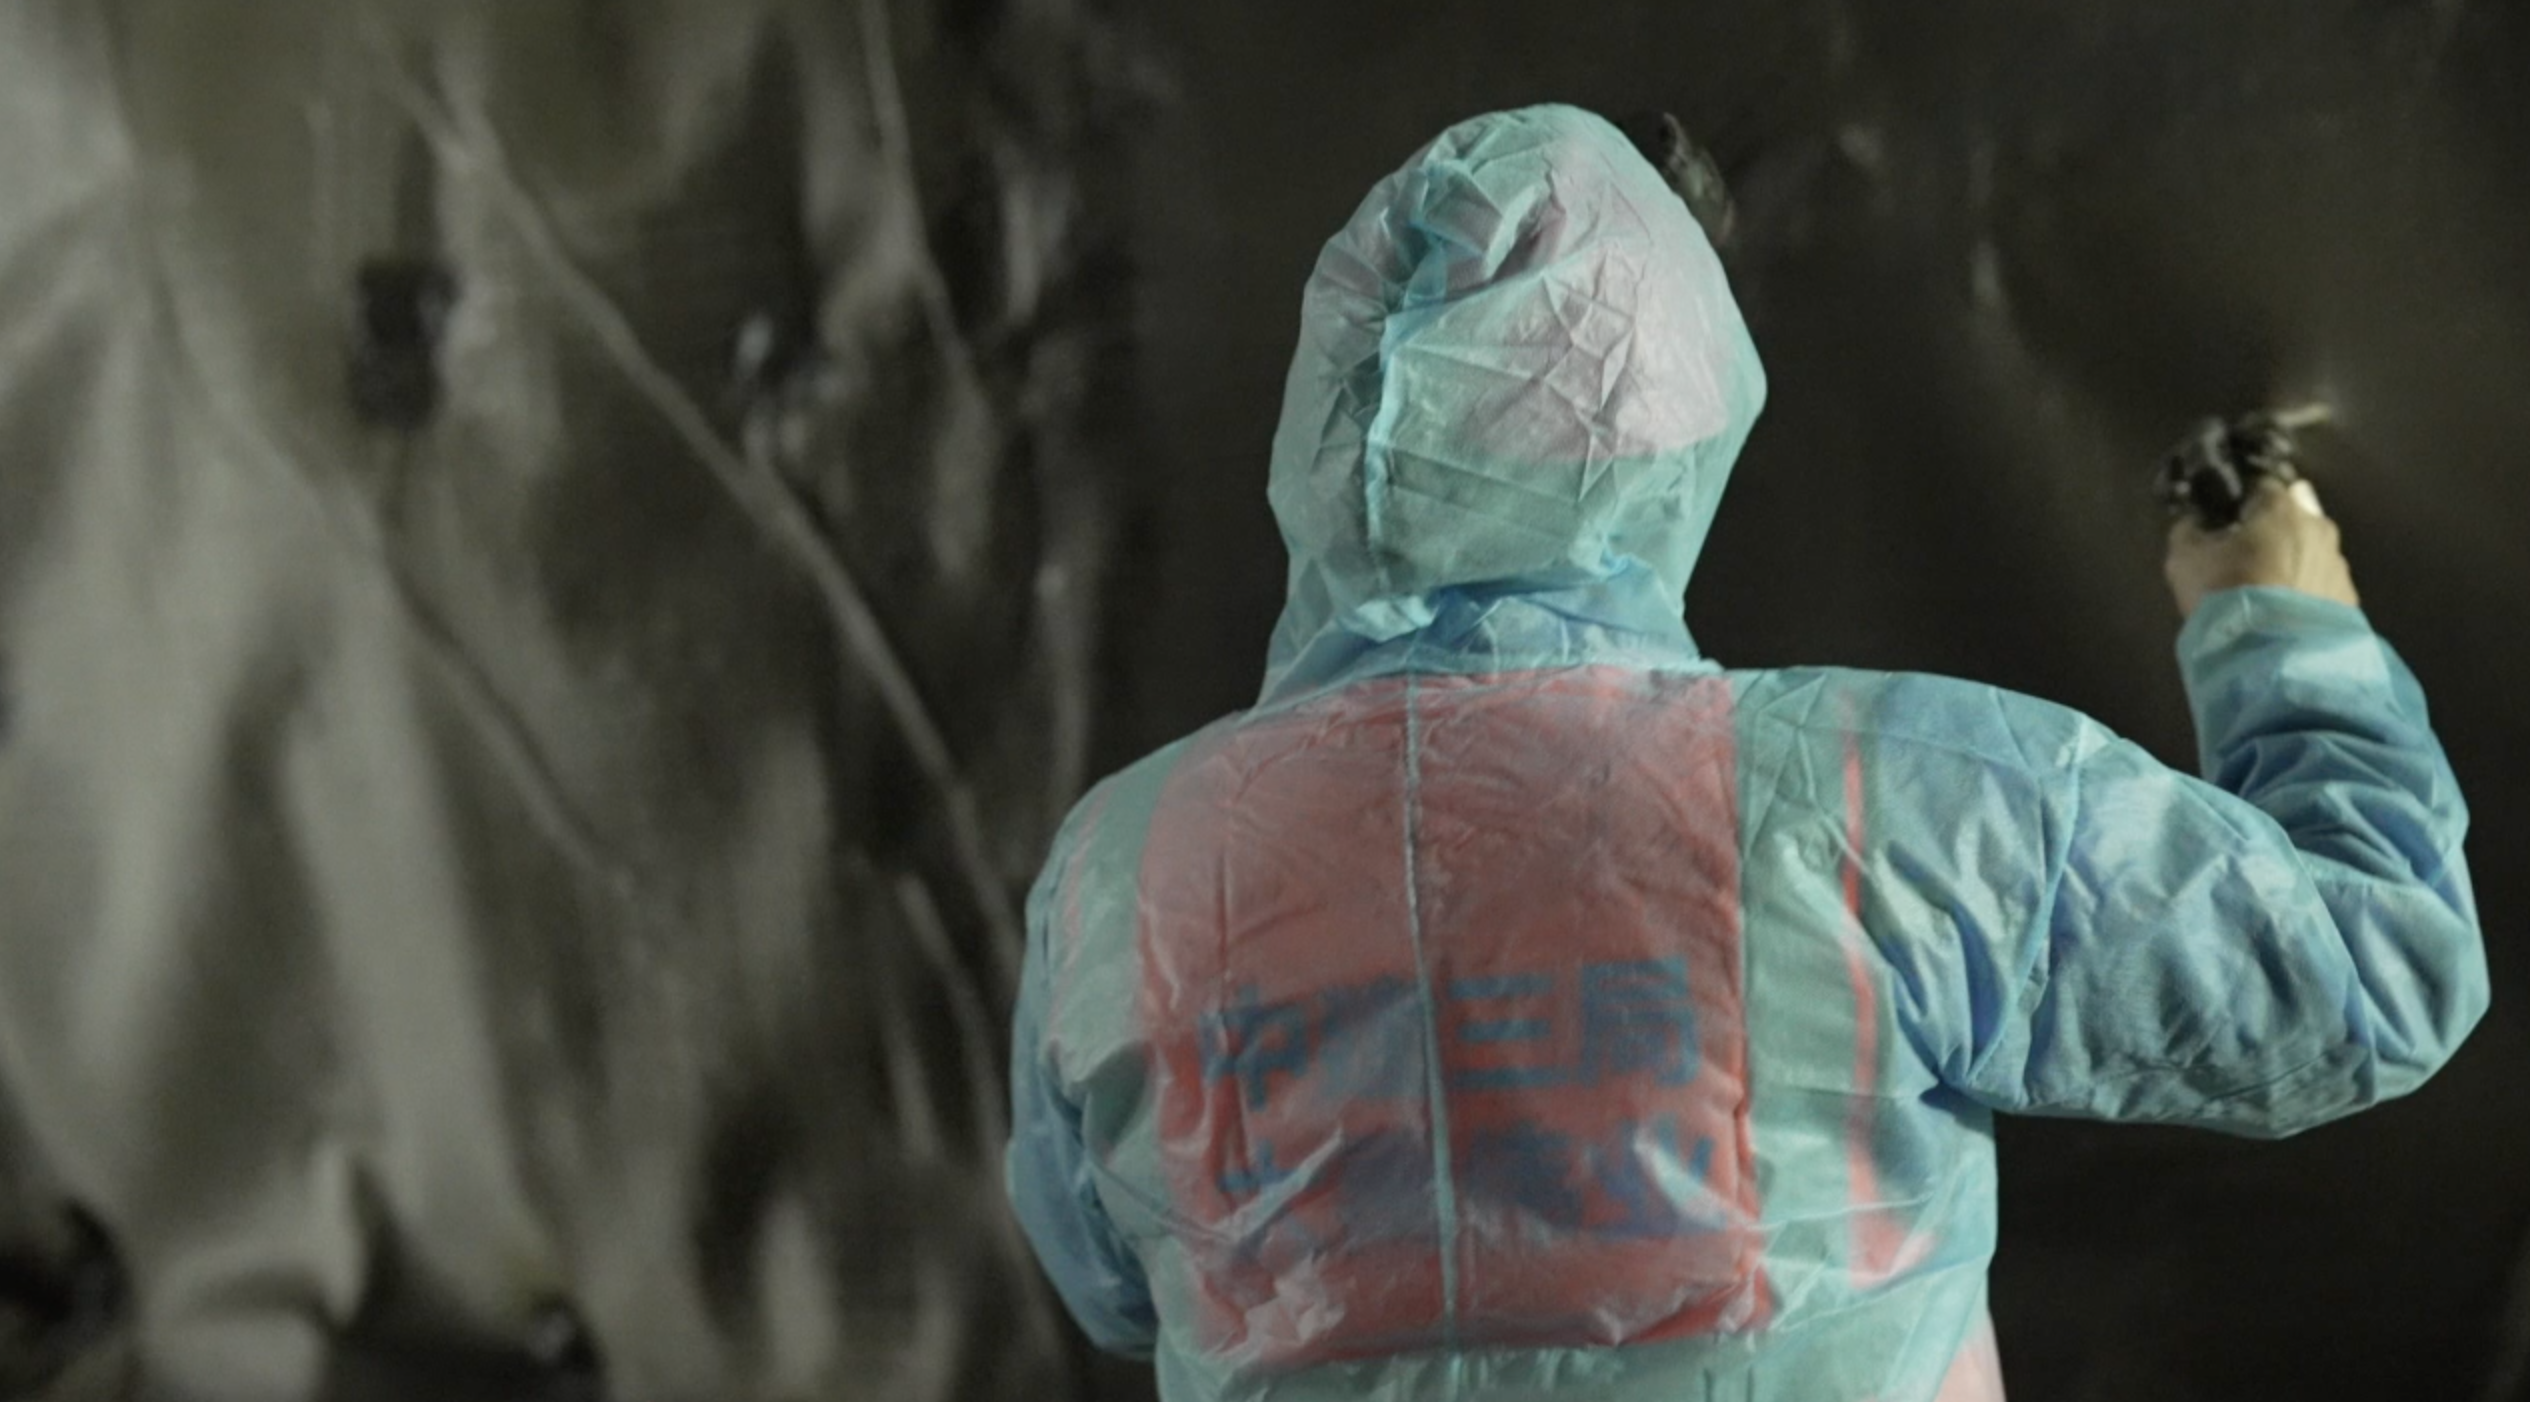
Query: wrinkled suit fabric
{"points": [[1515, 1003]]}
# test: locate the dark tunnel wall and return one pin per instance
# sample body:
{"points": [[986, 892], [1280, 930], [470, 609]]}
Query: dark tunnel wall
{"points": [[1997, 258]]}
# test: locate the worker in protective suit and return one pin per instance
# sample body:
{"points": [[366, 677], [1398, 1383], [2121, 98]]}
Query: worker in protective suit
{"points": [[1515, 1003]]}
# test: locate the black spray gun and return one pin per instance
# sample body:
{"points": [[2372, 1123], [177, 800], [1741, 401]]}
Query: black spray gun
{"points": [[2211, 475]]}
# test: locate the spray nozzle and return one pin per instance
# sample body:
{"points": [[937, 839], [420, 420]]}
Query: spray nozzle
{"points": [[2211, 474]]}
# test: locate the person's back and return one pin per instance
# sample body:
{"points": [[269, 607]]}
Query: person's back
{"points": [[1514, 1003]]}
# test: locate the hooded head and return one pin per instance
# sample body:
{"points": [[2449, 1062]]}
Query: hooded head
{"points": [[1520, 387]]}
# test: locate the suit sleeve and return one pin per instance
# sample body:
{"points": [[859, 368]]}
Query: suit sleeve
{"points": [[2288, 940], [1047, 1169]]}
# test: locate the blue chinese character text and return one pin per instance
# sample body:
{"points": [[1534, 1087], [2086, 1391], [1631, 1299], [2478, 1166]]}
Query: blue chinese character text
{"points": [[1253, 1042], [1638, 1016], [1512, 1021]]}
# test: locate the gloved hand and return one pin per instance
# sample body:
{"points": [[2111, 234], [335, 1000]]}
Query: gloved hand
{"points": [[2283, 539]]}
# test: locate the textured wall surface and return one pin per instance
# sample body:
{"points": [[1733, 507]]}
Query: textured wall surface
{"points": [[558, 562]]}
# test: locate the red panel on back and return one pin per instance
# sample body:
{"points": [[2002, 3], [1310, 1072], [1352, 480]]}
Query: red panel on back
{"points": [[1510, 900]]}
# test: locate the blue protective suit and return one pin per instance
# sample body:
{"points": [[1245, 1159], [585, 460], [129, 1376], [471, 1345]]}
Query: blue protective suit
{"points": [[1516, 1004]]}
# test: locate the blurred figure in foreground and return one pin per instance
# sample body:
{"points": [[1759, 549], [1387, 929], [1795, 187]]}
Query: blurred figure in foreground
{"points": [[509, 845]]}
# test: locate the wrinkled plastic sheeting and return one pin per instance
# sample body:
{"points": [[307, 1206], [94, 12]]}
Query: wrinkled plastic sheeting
{"points": [[547, 574]]}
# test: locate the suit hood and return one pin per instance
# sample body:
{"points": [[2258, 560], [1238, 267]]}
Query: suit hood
{"points": [[1522, 382]]}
